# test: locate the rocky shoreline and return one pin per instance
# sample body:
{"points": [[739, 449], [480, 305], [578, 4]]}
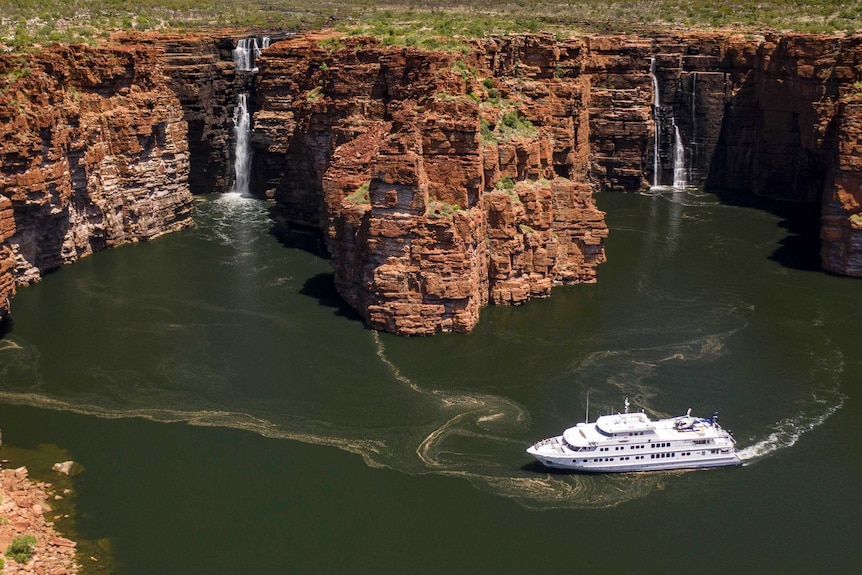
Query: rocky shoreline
{"points": [[23, 510]]}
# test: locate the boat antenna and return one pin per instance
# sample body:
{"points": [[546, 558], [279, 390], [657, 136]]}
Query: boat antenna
{"points": [[627, 405]]}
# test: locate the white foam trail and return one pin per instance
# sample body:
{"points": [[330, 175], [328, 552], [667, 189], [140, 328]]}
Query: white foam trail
{"points": [[788, 431], [827, 399]]}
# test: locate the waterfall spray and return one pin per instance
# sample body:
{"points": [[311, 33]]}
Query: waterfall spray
{"points": [[242, 155], [680, 179]]}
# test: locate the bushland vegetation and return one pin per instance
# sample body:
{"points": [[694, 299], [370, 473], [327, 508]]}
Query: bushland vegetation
{"points": [[418, 22]]}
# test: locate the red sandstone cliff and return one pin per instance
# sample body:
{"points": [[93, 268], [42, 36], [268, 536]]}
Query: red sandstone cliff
{"points": [[395, 153], [94, 154], [440, 181], [203, 76], [7, 258]]}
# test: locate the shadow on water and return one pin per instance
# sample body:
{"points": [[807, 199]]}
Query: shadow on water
{"points": [[322, 288], [5, 326], [800, 248], [299, 237]]}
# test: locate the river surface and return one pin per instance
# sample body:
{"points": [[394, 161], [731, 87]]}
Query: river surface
{"points": [[234, 417]]}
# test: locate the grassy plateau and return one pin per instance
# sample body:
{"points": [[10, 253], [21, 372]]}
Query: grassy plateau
{"points": [[26, 23]]}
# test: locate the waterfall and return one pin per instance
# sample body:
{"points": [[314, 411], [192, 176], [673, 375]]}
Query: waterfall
{"points": [[680, 180], [264, 43], [245, 53], [242, 155], [656, 109]]}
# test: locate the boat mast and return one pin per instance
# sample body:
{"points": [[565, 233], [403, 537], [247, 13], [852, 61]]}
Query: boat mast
{"points": [[587, 414]]}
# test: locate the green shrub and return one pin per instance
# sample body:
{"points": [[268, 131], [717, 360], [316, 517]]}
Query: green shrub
{"points": [[506, 183], [361, 195], [485, 131], [21, 549], [438, 209]]}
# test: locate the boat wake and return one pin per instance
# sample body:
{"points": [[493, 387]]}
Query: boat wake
{"points": [[824, 401]]}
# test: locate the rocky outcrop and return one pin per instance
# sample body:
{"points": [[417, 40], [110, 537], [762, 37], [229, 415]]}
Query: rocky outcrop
{"points": [[94, 154], [23, 504], [397, 155]]}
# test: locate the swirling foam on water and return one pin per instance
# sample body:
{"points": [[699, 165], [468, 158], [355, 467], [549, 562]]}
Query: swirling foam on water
{"points": [[470, 435], [825, 399]]}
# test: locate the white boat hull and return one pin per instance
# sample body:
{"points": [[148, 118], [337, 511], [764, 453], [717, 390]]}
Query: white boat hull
{"points": [[627, 442], [576, 462]]}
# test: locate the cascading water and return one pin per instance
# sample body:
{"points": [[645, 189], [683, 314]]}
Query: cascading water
{"points": [[656, 109], [680, 179], [245, 53], [244, 56], [242, 154]]}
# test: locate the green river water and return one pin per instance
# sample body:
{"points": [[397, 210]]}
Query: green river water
{"points": [[234, 417]]}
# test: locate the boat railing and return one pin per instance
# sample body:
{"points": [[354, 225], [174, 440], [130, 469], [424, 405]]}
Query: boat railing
{"points": [[550, 442]]}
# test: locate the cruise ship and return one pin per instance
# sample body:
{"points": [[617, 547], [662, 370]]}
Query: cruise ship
{"points": [[633, 442]]}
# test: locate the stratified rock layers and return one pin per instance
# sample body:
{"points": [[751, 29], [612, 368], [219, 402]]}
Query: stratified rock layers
{"points": [[7, 258], [94, 152], [841, 213], [772, 115], [396, 154], [440, 181]]}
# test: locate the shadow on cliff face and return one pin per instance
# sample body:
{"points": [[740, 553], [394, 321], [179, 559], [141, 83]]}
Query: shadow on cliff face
{"points": [[800, 248]]}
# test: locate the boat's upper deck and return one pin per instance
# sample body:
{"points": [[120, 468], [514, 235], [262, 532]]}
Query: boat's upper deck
{"points": [[625, 428]]}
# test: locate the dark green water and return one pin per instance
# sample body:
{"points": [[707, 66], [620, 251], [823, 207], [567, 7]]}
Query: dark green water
{"points": [[234, 418]]}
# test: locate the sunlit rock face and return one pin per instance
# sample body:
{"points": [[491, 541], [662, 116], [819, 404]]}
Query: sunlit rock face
{"points": [[441, 181], [94, 151]]}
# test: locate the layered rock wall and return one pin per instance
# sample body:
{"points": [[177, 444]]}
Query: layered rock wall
{"points": [[841, 213], [397, 155], [7, 258], [756, 115], [94, 154], [440, 181], [202, 74]]}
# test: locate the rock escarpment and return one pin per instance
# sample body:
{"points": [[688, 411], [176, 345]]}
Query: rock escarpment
{"points": [[441, 181], [767, 115], [204, 78], [94, 152]]}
